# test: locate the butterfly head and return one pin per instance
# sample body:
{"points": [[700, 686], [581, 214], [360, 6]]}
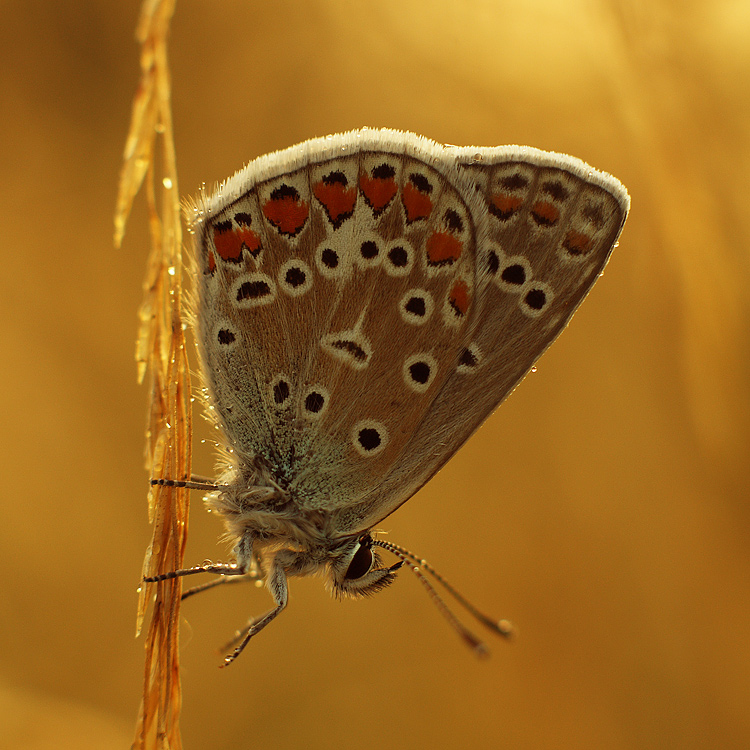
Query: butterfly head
{"points": [[356, 569]]}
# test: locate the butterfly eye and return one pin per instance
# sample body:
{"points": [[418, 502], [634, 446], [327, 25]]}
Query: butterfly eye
{"points": [[363, 575], [360, 564]]}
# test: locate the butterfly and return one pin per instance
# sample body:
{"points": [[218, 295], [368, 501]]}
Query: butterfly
{"points": [[363, 302]]}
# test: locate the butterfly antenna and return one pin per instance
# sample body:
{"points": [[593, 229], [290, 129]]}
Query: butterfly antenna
{"points": [[500, 627]]}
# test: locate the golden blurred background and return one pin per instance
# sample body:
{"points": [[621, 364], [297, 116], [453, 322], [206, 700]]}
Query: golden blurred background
{"points": [[603, 509]]}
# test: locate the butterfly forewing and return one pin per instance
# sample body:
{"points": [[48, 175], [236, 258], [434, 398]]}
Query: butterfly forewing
{"points": [[550, 224]]}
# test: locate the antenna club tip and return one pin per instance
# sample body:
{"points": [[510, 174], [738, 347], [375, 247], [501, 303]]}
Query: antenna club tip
{"points": [[505, 628]]}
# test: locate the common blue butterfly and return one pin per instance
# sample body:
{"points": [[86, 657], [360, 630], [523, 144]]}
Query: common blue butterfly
{"points": [[363, 302]]}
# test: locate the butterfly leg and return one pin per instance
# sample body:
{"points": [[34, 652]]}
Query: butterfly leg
{"points": [[251, 576], [243, 553], [277, 585], [254, 572], [222, 569]]}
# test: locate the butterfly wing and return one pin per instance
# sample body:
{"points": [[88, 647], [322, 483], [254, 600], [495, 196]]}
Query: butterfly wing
{"points": [[335, 285], [551, 224]]}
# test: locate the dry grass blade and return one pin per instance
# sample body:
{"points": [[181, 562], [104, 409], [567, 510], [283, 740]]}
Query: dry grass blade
{"points": [[161, 352]]}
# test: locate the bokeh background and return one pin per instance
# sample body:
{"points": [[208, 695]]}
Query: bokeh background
{"points": [[604, 508]]}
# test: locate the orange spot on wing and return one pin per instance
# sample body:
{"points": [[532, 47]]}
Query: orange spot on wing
{"points": [[417, 204], [459, 297], [577, 243], [287, 214], [211, 262], [504, 206], [544, 213], [379, 192], [337, 199], [230, 244], [443, 249]]}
